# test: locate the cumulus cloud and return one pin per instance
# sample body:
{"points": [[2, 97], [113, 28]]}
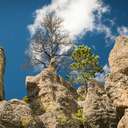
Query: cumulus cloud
{"points": [[123, 30], [80, 16]]}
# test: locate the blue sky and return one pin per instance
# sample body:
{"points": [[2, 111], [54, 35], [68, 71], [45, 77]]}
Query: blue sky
{"points": [[16, 15]]}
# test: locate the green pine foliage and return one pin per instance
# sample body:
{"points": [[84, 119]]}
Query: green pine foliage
{"points": [[85, 63]]}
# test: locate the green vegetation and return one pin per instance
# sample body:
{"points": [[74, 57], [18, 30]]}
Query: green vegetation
{"points": [[85, 63], [68, 121], [25, 121], [80, 98], [26, 99], [79, 116], [63, 120]]}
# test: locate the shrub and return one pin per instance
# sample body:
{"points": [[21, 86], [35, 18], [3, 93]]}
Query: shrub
{"points": [[63, 120], [25, 121], [26, 99], [79, 116]]}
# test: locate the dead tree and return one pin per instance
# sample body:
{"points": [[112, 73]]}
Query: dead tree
{"points": [[49, 41]]}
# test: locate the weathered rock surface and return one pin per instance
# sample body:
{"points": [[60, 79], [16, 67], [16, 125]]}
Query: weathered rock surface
{"points": [[117, 81], [2, 68], [59, 120], [82, 92], [123, 123], [98, 109], [117, 89], [52, 99], [118, 59], [17, 114], [54, 103], [52, 92]]}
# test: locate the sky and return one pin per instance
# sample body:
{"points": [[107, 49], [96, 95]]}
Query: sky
{"points": [[90, 22]]}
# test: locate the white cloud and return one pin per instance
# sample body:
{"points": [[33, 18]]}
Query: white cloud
{"points": [[101, 76], [106, 69], [101, 28], [78, 16], [64, 49], [123, 30]]}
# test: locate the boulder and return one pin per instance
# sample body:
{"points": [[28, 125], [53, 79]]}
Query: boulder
{"points": [[17, 114]]}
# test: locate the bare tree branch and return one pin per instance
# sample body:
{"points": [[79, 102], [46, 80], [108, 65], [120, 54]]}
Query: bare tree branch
{"points": [[47, 40]]}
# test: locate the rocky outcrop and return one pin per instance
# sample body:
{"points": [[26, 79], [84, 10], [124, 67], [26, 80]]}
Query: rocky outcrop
{"points": [[2, 66], [117, 89], [123, 123], [54, 103], [17, 114], [118, 59], [98, 108], [52, 99], [52, 91], [82, 92], [117, 80]]}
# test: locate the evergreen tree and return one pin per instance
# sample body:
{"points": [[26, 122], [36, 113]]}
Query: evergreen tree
{"points": [[85, 63]]}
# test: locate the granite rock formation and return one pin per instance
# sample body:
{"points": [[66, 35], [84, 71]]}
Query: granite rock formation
{"points": [[118, 58], [52, 91], [51, 98], [2, 68], [98, 108], [117, 80], [123, 123], [54, 103], [17, 114]]}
